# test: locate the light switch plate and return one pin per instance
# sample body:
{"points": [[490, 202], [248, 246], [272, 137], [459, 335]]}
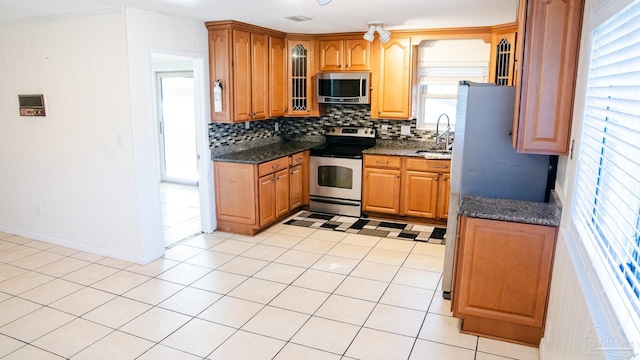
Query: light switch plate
{"points": [[247, 125], [384, 128], [405, 130]]}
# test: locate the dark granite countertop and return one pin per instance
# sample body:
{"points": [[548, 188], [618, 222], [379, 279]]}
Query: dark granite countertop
{"points": [[529, 212], [406, 148], [262, 153]]}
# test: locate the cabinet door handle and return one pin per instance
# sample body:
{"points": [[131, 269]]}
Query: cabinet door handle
{"points": [[398, 176], [436, 179], [295, 171]]}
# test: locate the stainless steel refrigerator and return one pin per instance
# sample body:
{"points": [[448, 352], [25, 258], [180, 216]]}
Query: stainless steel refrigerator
{"points": [[484, 162]]}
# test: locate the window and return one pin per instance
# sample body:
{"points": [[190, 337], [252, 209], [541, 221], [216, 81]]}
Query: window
{"points": [[438, 91], [606, 208]]}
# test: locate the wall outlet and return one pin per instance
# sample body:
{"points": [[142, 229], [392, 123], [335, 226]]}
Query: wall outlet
{"points": [[247, 124], [405, 130], [384, 128], [277, 126]]}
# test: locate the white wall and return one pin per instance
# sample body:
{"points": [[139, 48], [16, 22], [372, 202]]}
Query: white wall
{"points": [[65, 178], [575, 307], [150, 33], [86, 175]]}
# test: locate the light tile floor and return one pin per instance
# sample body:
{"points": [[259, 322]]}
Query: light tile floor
{"points": [[180, 211], [287, 293]]}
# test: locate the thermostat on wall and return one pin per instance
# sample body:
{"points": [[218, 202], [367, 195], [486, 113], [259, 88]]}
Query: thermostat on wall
{"points": [[31, 105]]}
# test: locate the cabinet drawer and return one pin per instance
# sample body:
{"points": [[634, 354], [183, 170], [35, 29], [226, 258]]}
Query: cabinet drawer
{"points": [[273, 166], [439, 166], [385, 162], [297, 159]]}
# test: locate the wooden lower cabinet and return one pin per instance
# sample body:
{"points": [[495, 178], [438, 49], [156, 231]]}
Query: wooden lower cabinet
{"points": [[420, 194], [406, 186], [502, 278], [381, 190], [295, 186], [251, 197]]}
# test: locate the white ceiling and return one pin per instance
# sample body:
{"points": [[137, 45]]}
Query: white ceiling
{"points": [[337, 16]]}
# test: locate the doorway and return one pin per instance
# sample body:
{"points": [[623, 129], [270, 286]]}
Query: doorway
{"points": [[183, 145], [176, 112]]}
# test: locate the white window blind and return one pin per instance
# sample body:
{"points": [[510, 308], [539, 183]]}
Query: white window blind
{"points": [[606, 208]]}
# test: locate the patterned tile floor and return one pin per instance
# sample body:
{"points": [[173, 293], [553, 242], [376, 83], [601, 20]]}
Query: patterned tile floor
{"points": [[288, 293], [379, 228]]}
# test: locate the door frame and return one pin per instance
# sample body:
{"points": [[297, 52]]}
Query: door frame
{"points": [[202, 114]]}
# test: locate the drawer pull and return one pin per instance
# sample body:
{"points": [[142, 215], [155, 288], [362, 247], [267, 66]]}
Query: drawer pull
{"points": [[299, 159], [275, 166], [441, 167], [382, 162]]}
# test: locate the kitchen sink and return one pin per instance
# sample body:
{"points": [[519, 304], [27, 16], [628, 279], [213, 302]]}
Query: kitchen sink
{"points": [[434, 154]]}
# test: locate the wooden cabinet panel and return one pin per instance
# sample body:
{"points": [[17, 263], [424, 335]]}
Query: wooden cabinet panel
{"points": [[277, 77], [503, 275], [381, 190], [545, 93], [267, 199], [381, 161], [242, 66], [220, 69], [392, 91], [419, 194], [345, 55], [282, 192], [503, 56], [444, 189], [357, 54], [272, 166], [259, 76], [235, 192], [295, 186], [331, 55]]}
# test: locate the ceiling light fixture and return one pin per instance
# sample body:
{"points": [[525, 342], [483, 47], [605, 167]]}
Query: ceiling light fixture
{"points": [[376, 26], [323, 2]]}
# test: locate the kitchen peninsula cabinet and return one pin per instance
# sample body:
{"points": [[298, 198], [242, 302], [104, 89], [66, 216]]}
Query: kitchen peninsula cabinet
{"points": [[392, 79], [545, 89], [250, 197], [502, 278], [406, 186], [349, 54], [239, 58], [301, 71]]}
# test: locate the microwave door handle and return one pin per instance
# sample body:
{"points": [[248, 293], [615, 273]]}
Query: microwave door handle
{"points": [[361, 81]]}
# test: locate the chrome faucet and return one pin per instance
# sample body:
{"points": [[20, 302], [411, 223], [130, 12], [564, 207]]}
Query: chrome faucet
{"points": [[444, 133]]}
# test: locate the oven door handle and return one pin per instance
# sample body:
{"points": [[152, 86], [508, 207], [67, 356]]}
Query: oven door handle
{"points": [[337, 202]]}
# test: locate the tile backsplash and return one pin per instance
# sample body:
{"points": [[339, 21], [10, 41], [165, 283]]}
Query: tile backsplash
{"points": [[293, 128]]}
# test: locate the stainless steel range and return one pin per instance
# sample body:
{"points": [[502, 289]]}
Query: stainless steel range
{"points": [[336, 170]]}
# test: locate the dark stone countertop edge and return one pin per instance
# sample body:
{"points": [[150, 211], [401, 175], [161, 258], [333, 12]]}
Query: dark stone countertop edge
{"points": [[405, 148], [528, 212], [262, 153]]}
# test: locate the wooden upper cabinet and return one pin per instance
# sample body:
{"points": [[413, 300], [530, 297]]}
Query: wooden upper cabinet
{"points": [[242, 66], [277, 77], [345, 55], [503, 55], [546, 87], [239, 56], [301, 71], [391, 95]]}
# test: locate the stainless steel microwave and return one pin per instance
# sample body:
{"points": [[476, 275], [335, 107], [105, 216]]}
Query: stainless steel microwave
{"points": [[344, 87]]}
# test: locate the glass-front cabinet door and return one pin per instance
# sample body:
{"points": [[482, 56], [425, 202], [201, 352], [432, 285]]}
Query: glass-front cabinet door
{"points": [[301, 77]]}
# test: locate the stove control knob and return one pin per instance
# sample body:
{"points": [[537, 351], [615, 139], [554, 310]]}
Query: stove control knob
{"points": [[333, 129]]}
